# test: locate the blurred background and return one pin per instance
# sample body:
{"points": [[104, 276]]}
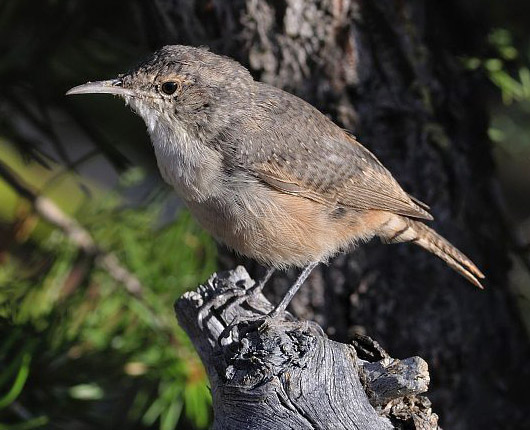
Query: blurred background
{"points": [[94, 248]]}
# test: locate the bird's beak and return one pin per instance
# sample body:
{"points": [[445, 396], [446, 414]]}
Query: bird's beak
{"points": [[112, 86]]}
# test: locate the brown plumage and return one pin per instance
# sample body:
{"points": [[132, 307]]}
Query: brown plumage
{"points": [[292, 147], [415, 231], [265, 172]]}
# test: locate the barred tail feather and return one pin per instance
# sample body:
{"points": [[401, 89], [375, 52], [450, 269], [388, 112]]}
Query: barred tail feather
{"points": [[427, 238]]}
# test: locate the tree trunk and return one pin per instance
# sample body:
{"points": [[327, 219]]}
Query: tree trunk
{"points": [[389, 72], [268, 374]]}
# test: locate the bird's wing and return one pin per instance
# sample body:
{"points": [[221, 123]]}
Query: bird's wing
{"points": [[295, 149]]}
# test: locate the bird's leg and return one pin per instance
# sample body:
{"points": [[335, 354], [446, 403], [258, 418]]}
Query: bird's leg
{"points": [[261, 283], [255, 290], [292, 290]]}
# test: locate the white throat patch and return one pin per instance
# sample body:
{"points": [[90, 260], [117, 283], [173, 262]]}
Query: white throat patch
{"points": [[185, 163]]}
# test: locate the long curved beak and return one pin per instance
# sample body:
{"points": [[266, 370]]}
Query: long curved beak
{"points": [[112, 86]]}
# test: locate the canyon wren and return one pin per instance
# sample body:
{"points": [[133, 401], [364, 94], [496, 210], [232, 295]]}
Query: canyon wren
{"points": [[265, 172]]}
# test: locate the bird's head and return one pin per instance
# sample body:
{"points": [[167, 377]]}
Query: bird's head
{"points": [[191, 86]]}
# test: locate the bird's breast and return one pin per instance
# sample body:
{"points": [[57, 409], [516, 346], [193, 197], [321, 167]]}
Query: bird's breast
{"points": [[193, 169]]}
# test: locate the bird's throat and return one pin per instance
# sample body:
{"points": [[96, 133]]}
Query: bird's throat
{"points": [[185, 162]]}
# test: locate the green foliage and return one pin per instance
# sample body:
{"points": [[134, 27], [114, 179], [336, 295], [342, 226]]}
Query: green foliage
{"points": [[78, 351], [513, 84], [98, 356]]}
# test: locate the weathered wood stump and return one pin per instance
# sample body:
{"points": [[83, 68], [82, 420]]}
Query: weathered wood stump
{"points": [[286, 374]]}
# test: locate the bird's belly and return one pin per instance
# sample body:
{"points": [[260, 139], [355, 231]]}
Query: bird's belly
{"points": [[279, 229]]}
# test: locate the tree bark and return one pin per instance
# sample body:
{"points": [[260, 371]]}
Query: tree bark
{"points": [[389, 72], [279, 373]]}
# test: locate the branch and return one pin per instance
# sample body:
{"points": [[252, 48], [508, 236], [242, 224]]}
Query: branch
{"points": [[50, 212], [281, 373]]}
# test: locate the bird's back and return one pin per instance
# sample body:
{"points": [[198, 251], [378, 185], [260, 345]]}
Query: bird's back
{"points": [[291, 146]]}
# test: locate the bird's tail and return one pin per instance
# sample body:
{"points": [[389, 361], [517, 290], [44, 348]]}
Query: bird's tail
{"points": [[403, 229]]}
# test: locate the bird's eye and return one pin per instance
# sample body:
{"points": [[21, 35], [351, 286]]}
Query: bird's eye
{"points": [[169, 87]]}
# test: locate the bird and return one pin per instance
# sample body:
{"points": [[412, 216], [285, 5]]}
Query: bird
{"points": [[265, 172]]}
